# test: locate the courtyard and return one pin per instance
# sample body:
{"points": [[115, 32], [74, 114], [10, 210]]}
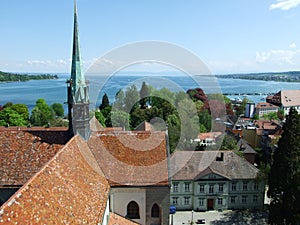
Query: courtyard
{"points": [[238, 217]]}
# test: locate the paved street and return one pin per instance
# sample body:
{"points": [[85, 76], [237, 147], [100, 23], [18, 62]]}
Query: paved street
{"points": [[218, 218]]}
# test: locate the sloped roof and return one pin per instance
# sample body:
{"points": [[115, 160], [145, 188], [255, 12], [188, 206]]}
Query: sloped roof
{"points": [[203, 136], [131, 158], [191, 165], [70, 189], [95, 125], [144, 126], [290, 98], [266, 105], [245, 147], [25, 151], [115, 219]]}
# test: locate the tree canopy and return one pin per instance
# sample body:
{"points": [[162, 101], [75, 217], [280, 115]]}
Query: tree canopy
{"points": [[284, 178]]}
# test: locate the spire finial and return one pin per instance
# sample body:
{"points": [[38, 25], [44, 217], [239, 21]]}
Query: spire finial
{"points": [[75, 7]]}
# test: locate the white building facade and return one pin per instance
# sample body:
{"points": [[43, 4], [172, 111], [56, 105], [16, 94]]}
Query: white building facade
{"points": [[214, 189]]}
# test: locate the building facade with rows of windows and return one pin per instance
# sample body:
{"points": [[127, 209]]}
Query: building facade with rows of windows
{"points": [[211, 180]]}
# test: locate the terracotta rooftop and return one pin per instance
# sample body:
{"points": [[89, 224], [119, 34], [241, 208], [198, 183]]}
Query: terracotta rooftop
{"points": [[266, 105], [115, 219], [95, 125], [131, 158], [70, 189], [273, 126], [25, 151], [203, 136], [290, 98], [144, 126], [191, 165]]}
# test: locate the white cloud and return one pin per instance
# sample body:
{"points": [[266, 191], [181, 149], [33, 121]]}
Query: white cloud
{"points": [[293, 45], [284, 4], [280, 57]]}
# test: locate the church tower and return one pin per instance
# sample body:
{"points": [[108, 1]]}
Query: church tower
{"points": [[78, 97]]}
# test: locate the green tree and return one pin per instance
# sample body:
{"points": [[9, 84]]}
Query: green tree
{"points": [[22, 110], [119, 100], [205, 119], [138, 116], [105, 102], [179, 96], [99, 116], [10, 117], [255, 117], [144, 95], [189, 122], [242, 107], [280, 114], [174, 130], [42, 114], [229, 143], [8, 105], [271, 116], [284, 179], [120, 119], [131, 98], [58, 109]]}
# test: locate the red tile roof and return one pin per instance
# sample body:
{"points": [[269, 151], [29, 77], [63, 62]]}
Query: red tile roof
{"points": [[25, 151], [132, 158], [144, 126], [266, 105], [115, 219], [213, 135], [70, 189]]}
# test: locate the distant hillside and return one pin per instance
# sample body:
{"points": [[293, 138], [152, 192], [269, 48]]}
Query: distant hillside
{"points": [[11, 77], [290, 76]]}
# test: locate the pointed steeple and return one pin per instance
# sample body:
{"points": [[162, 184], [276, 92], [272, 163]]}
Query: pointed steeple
{"points": [[77, 76], [78, 97]]}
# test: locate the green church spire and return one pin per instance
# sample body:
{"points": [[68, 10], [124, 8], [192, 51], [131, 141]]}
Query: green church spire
{"points": [[77, 76], [78, 96]]}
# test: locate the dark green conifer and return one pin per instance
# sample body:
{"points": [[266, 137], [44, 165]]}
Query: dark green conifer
{"points": [[284, 180]]}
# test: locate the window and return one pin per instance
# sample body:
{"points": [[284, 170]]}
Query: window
{"points": [[220, 201], [175, 200], [211, 189], [201, 188], [221, 187], [175, 187], [211, 176], [255, 186], [133, 210], [186, 200], [187, 187], [255, 197], [201, 201], [233, 186], [244, 199], [245, 186], [232, 199], [155, 211]]}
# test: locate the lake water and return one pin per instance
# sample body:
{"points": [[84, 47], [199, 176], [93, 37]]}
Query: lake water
{"points": [[55, 90]]}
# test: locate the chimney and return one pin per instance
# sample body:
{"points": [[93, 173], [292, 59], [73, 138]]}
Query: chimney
{"points": [[220, 158]]}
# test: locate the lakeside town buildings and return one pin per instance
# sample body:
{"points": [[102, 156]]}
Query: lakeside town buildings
{"points": [[90, 175]]}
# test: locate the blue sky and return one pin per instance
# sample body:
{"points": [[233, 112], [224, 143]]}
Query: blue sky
{"points": [[229, 36]]}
